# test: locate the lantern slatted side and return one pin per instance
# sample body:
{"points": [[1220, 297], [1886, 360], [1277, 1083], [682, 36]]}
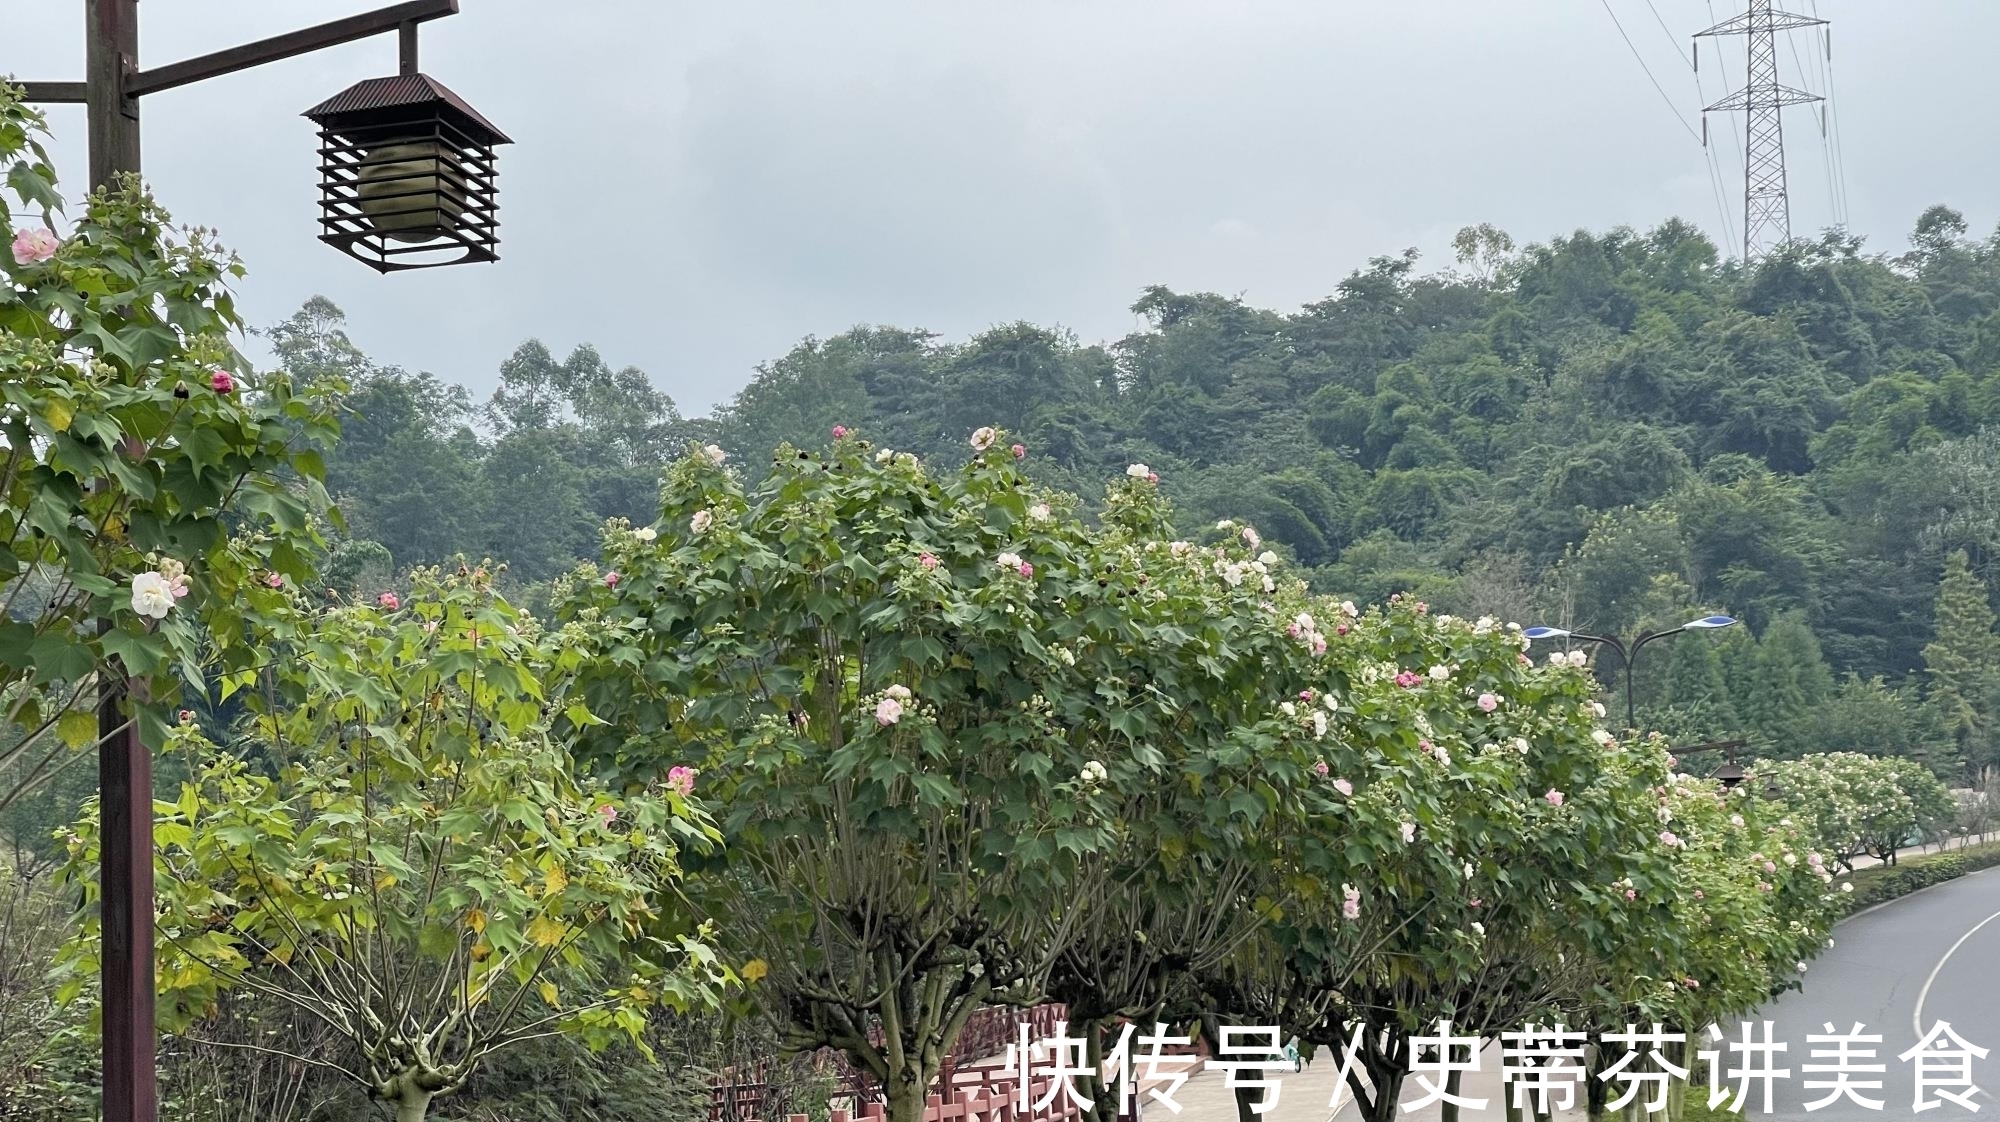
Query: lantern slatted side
{"points": [[407, 175], [369, 195]]}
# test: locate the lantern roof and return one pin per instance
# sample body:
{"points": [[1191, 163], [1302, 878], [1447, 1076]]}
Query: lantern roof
{"points": [[363, 102]]}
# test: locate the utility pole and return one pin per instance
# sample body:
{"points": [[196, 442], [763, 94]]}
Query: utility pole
{"points": [[1767, 207], [112, 87]]}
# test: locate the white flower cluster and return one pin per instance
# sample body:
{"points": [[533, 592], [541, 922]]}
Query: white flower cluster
{"points": [[1306, 630], [1568, 658], [1092, 774], [1311, 716], [889, 709], [154, 592], [895, 704]]}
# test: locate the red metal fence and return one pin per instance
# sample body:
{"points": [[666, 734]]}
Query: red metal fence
{"points": [[998, 1106], [975, 1084]]}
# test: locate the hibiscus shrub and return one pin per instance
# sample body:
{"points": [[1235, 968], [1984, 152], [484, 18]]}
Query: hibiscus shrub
{"points": [[1492, 839], [151, 479], [1856, 805], [946, 721], [426, 877]]}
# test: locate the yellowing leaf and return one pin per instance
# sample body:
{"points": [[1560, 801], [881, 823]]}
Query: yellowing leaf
{"points": [[755, 969], [77, 728], [233, 682], [385, 880], [481, 951], [548, 992], [476, 920], [59, 413], [546, 932], [554, 880]]}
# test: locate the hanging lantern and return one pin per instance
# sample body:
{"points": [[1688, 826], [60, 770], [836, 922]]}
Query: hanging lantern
{"points": [[406, 175]]}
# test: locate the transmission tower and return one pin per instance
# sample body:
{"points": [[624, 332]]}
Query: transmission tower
{"points": [[1767, 208]]}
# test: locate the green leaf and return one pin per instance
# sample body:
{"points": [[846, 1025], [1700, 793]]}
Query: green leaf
{"points": [[77, 728], [142, 654]]}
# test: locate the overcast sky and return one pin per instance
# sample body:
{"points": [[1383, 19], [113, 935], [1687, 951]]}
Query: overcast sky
{"points": [[695, 186]]}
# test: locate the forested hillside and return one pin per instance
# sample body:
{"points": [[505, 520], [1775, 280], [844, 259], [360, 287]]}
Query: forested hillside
{"points": [[1606, 432]]}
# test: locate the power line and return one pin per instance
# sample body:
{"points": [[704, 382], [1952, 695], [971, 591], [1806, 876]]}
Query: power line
{"points": [[1820, 80], [1735, 135], [1641, 60], [1833, 112], [1839, 148], [1708, 151], [1822, 68], [1671, 37], [1721, 208], [1826, 141]]}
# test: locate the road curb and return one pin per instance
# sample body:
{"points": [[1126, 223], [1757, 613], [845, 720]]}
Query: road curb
{"points": [[1918, 892]]}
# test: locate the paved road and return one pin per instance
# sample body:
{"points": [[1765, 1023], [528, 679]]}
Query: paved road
{"points": [[1930, 945]]}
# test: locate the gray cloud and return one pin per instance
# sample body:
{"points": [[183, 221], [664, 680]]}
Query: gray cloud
{"points": [[694, 187]]}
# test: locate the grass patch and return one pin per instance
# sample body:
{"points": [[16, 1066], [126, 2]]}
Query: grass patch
{"points": [[1878, 883], [1695, 1108]]}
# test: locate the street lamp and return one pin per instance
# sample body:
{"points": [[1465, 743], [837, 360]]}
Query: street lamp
{"points": [[406, 175], [1625, 654], [1730, 774], [457, 156], [402, 158]]}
